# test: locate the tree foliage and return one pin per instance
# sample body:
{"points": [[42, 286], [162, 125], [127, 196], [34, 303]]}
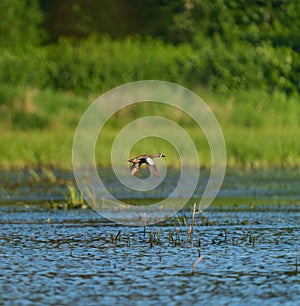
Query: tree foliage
{"points": [[225, 45], [20, 23], [177, 21]]}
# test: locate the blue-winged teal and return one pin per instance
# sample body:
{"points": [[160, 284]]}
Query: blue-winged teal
{"points": [[144, 159]]}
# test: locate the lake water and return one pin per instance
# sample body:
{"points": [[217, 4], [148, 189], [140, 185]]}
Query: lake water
{"points": [[248, 238]]}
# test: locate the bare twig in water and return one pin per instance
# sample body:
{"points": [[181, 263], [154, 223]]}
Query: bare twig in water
{"points": [[190, 230], [118, 236], [171, 240], [177, 240], [195, 263], [199, 247], [178, 220], [200, 211], [296, 267], [193, 214], [145, 223], [158, 237], [112, 238], [151, 238], [128, 240]]}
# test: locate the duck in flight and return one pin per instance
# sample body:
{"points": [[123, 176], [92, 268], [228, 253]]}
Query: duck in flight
{"points": [[144, 159]]}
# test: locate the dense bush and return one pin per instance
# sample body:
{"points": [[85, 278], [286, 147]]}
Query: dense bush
{"points": [[223, 45], [94, 65], [28, 67], [20, 24]]}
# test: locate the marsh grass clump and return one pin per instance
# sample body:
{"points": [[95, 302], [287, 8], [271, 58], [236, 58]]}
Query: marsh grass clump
{"points": [[115, 238], [191, 240], [44, 176], [34, 176], [155, 237], [50, 175], [74, 198]]}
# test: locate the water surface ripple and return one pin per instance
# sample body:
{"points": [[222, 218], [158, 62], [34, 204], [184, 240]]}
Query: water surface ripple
{"points": [[72, 257], [249, 240]]}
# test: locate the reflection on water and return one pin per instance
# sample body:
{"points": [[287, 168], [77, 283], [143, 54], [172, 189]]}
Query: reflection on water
{"points": [[272, 184]]}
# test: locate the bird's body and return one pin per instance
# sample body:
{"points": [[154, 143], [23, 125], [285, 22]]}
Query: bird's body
{"points": [[144, 159]]}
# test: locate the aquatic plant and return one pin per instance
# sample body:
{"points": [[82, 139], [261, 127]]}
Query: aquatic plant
{"points": [[34, 175], [74, 198], [50, 175]]}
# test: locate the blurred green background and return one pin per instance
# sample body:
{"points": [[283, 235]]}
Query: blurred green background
{"points": [[241, 57]]}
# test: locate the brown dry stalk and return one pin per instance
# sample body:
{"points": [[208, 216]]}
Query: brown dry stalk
{"points": [[195, 263]]}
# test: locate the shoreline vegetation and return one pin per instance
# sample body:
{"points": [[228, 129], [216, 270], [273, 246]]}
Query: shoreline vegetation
{"points": [[242, 59], [39, 129]]}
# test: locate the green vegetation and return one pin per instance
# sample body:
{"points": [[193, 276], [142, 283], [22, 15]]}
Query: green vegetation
{"points": [[243, 59], [264, 134]]}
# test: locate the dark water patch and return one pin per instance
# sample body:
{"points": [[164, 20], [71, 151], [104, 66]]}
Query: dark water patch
{"points": [[275, 186]]}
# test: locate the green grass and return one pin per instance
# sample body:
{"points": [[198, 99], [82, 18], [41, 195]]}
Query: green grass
{"points": [[261, 131]]}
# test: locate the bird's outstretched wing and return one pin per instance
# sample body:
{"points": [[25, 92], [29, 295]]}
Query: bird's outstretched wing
{"points": [[134, 169], [153, 170], [152, 166]]}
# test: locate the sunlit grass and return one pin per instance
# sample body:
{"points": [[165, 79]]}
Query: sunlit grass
{"points": [[263, 133], [21, 149]]}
